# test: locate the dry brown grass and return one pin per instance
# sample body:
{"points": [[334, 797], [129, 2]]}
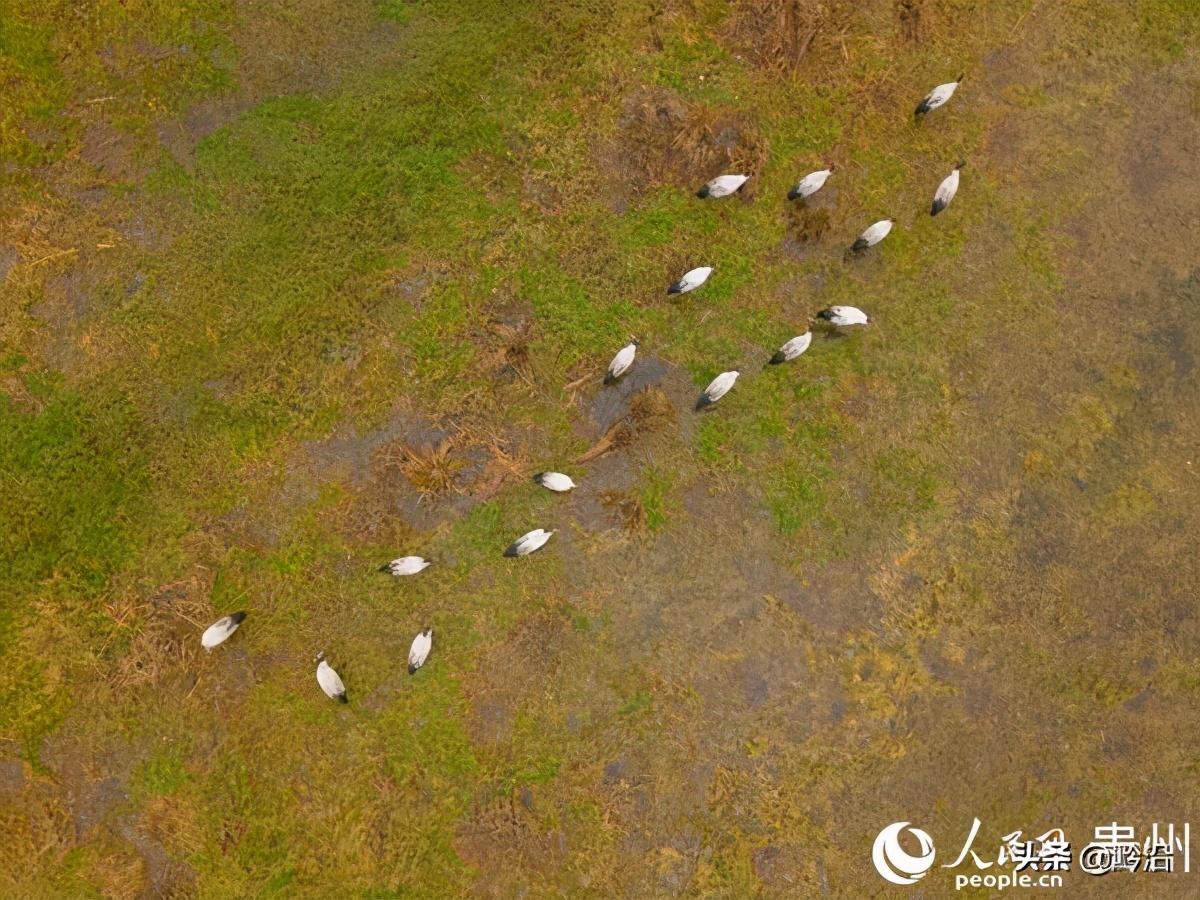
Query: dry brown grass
{"points": [[779, 35], [509, 352], [911, 20], [649, 411], [807, 225], [626, 509], [166, 629], [431, 469], [663, 139]]}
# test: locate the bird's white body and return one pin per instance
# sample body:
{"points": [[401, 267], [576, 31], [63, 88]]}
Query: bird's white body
{"points": [[621, 362], [330, 682], [719, 387], [874, 233], [842, 316], [691, 280], [945, 192], [527, 543], [554, 481], [810, 184], [419, 651], [723, 186], [938, 96], [793, 348], [407, 565], [219, 631]]}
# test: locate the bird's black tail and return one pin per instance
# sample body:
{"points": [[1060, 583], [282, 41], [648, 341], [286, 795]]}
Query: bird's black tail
{"points": [[794, 194], [922, 108], [703, 192], [610, 378], [386, 567], [676, 288], [703, 402], [859, 245], [412, 670], [777, 358], [510, 550], [237, 618], [937, 207], [539, 477], [825, 314], [342, 698]]}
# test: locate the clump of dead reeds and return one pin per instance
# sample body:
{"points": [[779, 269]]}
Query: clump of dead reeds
{"points": [[663, 139], [779, 35], [650, 410], [626, 509], [431, 469]]}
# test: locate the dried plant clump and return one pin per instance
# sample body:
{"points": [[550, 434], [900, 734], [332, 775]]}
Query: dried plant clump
{"points": [[663, 139], [431, 469], [807, 225], [779, 35], [166, 632], [626, 509], [511, 353], [911, 20], [649, 411]]}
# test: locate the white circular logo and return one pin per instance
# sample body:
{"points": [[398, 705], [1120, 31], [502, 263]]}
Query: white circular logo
{"points": [[893, 863]]}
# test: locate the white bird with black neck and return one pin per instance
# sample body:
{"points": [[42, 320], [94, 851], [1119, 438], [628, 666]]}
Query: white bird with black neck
{"points": [[722, 186]]}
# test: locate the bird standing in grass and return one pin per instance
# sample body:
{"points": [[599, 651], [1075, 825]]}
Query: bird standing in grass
{"points": [[717, 389], [419, 651], [405, 565], [843, 316], [938, 96], [810, 184], [792, 349], [554, 481], [527, 543], [873, 235], [722, 186], [691, 280], [945, 191], [219, 631], [621, 362], [329, 680]]}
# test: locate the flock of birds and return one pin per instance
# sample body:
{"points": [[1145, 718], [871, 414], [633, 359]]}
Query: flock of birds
{"points": [[838, 317]]}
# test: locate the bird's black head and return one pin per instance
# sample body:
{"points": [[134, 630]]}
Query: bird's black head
{"points": [[426, 631], [960, 78], [961, 163]]}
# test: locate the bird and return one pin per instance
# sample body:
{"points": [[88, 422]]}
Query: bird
{"points": [[329, 680], [527, 543], [717, 389], [621, 362], [938, 96], [946, 191], [405, 565], [791, 349], [554, 481], [723, 186], [219, 631], [810, 184], [873, 235], [419, 651], [691, 280], [841, 316]]}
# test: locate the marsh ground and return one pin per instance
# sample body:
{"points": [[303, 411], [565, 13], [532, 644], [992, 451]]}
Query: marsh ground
{"points": [[291, 290]]}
